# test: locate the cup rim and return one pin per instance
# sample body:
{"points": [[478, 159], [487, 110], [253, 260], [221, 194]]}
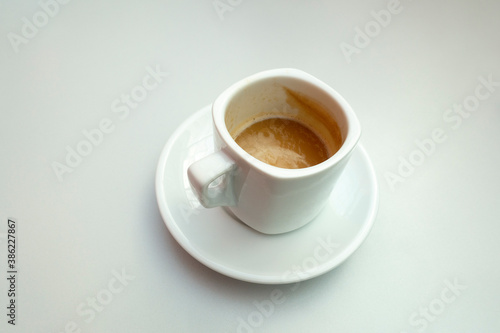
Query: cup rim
{"points": [[221, 103]]}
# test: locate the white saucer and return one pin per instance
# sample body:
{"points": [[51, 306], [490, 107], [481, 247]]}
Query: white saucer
{"points": [[229, 247]]}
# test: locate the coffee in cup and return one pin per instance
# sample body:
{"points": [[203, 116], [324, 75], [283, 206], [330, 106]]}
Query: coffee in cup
{"points": [[288, 138], [281, 140]]}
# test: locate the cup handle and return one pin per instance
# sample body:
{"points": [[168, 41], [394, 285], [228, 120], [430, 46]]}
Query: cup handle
{"points": [[211, 179]]}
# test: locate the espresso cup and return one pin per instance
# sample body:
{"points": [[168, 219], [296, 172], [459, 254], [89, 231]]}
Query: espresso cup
{"points": [[274, 182]]}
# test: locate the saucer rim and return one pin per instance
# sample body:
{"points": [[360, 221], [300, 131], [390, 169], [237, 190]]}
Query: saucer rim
{"points": [[184, 242]]}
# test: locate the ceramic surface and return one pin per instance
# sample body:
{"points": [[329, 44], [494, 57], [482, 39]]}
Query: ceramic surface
{"points": [[217, 240], [269, 199]]}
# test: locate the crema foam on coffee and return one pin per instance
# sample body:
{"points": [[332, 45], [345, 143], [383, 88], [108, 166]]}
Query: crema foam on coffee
{"points": [[283, 143]]}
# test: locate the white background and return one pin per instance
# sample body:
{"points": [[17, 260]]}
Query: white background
{"points": [[438, 220]]}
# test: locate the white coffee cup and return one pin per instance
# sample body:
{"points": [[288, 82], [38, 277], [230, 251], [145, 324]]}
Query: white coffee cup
{"points": [[270, 199]]}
